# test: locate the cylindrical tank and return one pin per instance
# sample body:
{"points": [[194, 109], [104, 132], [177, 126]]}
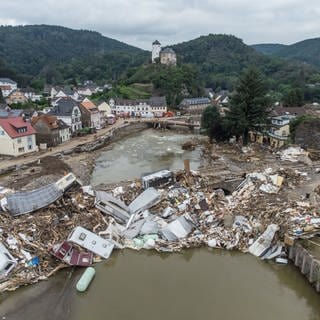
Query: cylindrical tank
{"points": [[85, 279]]}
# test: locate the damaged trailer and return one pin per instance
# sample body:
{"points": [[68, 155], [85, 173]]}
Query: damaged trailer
{"points": [[92, 242], [68, 254], [29, 201], [112, 206], [157, 178], [7, 261]]}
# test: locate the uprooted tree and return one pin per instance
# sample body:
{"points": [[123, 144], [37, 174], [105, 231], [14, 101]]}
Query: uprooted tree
{"points": [[249, 106]]}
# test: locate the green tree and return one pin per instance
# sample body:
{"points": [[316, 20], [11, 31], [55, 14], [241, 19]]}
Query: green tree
{"points": [[293, 98], [249, 105], [213, 125]]}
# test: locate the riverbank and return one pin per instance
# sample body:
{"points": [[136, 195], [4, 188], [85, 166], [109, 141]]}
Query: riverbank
{"points": [[78, 158]]}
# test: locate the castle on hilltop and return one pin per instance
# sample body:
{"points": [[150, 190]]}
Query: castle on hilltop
{"points": [[166, 56]]}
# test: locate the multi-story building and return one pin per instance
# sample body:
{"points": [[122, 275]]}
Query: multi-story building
{"points": [[68, 110], [17, 137], [152, 107]]}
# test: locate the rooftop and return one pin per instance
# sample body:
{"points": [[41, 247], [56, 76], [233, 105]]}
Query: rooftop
{"points": [[7, 80], [16, 127]]}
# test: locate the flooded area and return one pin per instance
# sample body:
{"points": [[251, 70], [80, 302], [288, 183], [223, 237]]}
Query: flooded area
{"points": [[211, 284], [144, 152], [196, 283]]}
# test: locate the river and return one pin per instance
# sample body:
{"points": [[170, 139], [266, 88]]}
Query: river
{"points": [[199, 283]]}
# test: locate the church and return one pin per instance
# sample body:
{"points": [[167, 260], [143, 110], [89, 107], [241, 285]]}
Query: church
{"points": [[166, 56]]}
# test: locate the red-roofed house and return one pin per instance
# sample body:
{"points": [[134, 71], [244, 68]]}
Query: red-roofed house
{"points": [[91, 116], [17, 137]]}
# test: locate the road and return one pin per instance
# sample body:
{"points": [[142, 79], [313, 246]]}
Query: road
{"points": [[27, 159]]}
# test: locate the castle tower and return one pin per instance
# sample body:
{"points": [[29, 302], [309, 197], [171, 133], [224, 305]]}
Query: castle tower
{"points": [[156, 48]]}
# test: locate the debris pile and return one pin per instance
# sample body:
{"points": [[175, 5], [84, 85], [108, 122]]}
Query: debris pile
{"points": [[185, 211]]}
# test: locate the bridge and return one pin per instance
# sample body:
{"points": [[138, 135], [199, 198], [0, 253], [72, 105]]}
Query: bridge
{"points": [[167, 122]]}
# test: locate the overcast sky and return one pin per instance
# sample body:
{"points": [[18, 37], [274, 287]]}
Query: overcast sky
{"points": [[139, 22]]}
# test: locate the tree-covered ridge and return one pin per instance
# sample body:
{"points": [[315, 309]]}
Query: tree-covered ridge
{"points": [[268, 48], [220, 58], [31, 50], [307, 51]]}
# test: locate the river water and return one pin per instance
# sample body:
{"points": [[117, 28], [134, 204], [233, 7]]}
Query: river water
{"points": [[196, 284]]}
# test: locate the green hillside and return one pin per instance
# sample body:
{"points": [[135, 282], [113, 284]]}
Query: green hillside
{"points": [[220, 58], [307, 51], [57, 53], [268, 48]]}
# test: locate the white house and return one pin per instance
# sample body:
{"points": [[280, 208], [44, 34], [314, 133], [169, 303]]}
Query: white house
{"points": [[152, 107], [104, 108], [7, 86], [69, 112], [17, 137]]}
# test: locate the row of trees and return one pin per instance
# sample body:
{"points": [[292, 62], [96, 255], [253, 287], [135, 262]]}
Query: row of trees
{"points": [[249, 109]]}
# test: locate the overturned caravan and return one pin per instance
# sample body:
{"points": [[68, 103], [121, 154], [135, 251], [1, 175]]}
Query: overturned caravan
{"points": [[29, 201]]}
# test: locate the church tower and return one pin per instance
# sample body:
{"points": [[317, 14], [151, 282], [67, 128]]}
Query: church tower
{"points": [[156, 48]]}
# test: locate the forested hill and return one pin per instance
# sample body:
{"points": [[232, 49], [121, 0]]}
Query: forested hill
{"points": [[220, 58], [307, 51], [268, 48], [36, 50]]}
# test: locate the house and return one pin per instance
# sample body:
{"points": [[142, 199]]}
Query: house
{"points": [[194, 105], [104, 108], [50, 130], [68, 110], [7, 86], [279, 131], [31, 95], [105, 112], [89, 88], [221, 98], [130, 108], [91, 116], [16, 96], [158, 106], [63, 92], [154, 106], [17, 137]]}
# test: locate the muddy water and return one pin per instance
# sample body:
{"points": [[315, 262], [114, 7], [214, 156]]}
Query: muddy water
{"points": [[196, 284], [144, 152]]}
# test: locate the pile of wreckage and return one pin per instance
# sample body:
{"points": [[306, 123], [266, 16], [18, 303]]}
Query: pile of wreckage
{"points": [[60, 225]]}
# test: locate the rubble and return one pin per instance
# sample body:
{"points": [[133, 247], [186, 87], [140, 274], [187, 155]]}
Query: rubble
{"points": [[186, 213]]}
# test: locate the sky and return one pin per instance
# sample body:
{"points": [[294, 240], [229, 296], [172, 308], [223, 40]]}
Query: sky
{"points": [[140, 22]]}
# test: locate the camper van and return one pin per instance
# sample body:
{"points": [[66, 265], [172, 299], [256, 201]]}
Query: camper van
{"points": [[91, 241]]}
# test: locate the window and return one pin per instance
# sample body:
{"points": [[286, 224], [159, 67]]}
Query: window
{"points": [[19, 140], [21, 149], [82, 236], [8, 266], [1, 133]]}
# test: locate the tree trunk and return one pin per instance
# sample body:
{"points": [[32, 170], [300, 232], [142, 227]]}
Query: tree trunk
{"points": [[245, 136]]}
